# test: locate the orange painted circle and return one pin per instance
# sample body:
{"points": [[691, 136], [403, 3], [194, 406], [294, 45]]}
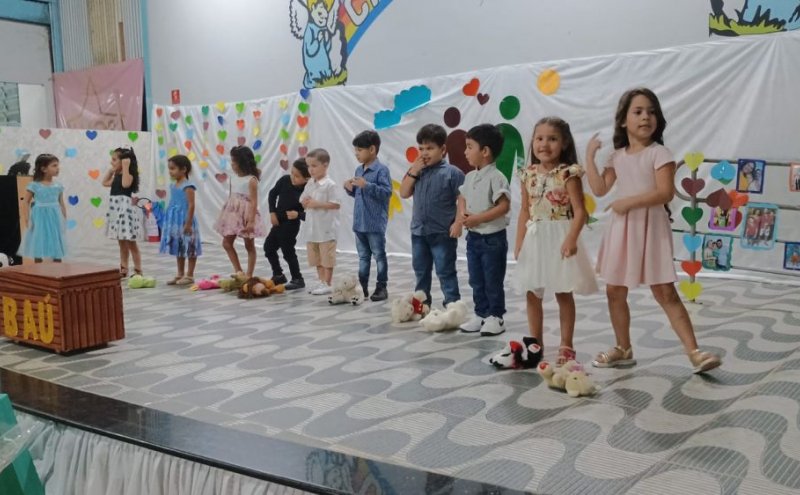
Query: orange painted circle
{"points": [[549, 82]]}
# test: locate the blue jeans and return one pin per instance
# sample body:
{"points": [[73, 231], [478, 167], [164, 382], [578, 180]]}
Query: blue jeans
{"points": [[437, 250], [371, 244], [486, 261]]}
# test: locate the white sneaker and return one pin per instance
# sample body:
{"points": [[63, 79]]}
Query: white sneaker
{"points": [[322, 290], [473, 325], [493, 326], [312, 288]]}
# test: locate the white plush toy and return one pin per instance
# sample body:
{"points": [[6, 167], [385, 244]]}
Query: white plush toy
{"points": [[569, 377], [410, 307], [346, 291], [451, 318]]}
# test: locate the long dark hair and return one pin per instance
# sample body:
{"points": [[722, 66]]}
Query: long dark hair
{"points": [[133, 169], [568, 154], [245, 160], [620, 134], [183, 163], [42, 162]]}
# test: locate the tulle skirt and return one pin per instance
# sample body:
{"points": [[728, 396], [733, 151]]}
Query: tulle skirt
{"points": [[233, 218], [46, 235]]}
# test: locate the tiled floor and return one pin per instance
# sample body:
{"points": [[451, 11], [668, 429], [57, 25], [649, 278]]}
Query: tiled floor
{"points": [[294, 367]]}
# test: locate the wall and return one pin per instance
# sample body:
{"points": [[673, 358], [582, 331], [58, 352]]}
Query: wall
{"points": [[28, 62], [244, 49]]}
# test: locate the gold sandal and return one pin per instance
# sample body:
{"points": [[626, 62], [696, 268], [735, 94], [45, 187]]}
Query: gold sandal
{"points": [[703, 361], [614, 357]]}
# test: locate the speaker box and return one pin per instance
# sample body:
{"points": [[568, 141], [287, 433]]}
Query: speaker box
{"points": [[12, 196]]}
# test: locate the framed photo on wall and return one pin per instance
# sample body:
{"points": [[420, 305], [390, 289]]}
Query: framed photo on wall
{"points": [[717, 250], [759, 226], [726, 220], [794, 177], [750, 178], [791, 256]]}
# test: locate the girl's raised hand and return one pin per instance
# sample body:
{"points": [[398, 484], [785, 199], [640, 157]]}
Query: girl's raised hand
{"points": [[593, 145]]}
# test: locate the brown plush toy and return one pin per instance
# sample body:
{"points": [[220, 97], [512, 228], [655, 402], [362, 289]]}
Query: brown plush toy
{"points": [[259, 287]]}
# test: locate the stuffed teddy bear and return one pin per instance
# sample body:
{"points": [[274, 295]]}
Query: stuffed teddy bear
{"points": [[451, 318], [140, 282], [232, 284], [259, 287], [516, 355], [207, 283], [411, 307], [346, 290], [570, 377]]}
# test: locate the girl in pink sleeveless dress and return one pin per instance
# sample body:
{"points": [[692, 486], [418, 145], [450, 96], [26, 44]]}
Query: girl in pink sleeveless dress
{"points": [[637, 245]]}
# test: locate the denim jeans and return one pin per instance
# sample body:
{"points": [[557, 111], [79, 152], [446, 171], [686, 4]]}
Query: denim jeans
{"points": [[486, 261], [437, 250], [371, 244]]}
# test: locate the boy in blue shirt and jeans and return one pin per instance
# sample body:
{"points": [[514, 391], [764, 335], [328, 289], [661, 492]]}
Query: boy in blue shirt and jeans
{"points": [[483, 208], [372, 188], [434, 184]]}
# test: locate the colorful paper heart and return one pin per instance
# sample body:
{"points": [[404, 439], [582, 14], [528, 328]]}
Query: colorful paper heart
{"points": [[723, 172], [302, 121], [305, 93], [285, 164], [71, 152], [159, 112], [258, 159], [162, 154], [303, 107], [45, 133], [412, 153], [240, 124], [204, 109], [693, 160], [175, 115], [692, 242], [691, 267], [91, 135], [187, 144], [302, 151], [94, 173], [241, 140], [691, 215], [256, 131], [223, 163], [220, 106], [189, 119], [205, 153], [302, 136], [221, 119], [161, 193], [205, 126], [283, 104], [482, 98], [719, 199], [203, 164], [221, 177], [692, 186], [222, 134], [239, 107], [189, 133], [283, 149], [96, 201], [159, 126], [256, 114], [73, 200], [98, 222], [691, 290], [257, 144], [285, 119], [191, 156], [161, 180], [738, 199], [71, 224], [471, 88], [220, 149], [172, 152], [173, 127], [284, 134]]}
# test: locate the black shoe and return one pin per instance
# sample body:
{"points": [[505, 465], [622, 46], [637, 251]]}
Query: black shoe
{"points": [[380, 294], [296, 283], [279, 279], [366, 292]]}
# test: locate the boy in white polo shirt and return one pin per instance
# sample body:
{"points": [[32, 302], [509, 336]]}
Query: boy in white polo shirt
{"points": [[320, 199], [483, 206]]}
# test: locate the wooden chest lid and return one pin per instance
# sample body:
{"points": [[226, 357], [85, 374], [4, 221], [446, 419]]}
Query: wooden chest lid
{"points": [[63, 275]]}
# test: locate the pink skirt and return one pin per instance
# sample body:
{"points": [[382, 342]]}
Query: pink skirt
{"points": [[233, 218]]}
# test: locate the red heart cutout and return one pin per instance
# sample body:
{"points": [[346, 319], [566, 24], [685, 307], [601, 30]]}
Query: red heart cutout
{"points": [[719, 199], [738, 199], [187, 144], [205, 153], [284, 150], [483, 98], [159, 112], [205, 126], [691, 267], [302, 121], [412, 153], [220, 149], [471, 88], [240, 124], [285, 164], [693, 186], [257, 114], [161, 193], [221, 177], [302, 150], [175, 115], [45, 133], [241, 140]]}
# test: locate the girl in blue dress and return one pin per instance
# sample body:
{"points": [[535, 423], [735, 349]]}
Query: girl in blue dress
{"points": [[180, 236], [44, 237]]}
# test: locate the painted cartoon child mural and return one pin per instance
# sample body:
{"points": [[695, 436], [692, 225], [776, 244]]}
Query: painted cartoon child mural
{"points": [[316, 22], [740, 17]]}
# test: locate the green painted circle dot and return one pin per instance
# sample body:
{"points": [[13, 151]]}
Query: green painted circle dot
{"points": [[509, 107]]}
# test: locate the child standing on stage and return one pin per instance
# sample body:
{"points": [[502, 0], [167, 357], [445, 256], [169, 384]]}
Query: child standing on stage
{"points": [[239, 216], [44, 237], [321, 202], [180, 236], [124, 220], [548, 250], [637, 245]]}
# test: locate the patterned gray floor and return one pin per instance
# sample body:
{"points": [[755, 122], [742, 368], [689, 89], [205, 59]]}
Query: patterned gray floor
{"points": [[296, 368]]}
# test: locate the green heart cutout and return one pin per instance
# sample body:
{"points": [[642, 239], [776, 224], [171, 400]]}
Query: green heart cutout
{"points": [[692, 215], [239, 107], [96, 201], [258, 158], [222, 134], [303, 107], [189, 120], [173, 126], [284, 134], [160, 140], [204, 109], [133, 136]]}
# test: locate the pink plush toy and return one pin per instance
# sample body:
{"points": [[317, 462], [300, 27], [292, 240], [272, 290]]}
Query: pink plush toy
{"points": [[207, 284]]}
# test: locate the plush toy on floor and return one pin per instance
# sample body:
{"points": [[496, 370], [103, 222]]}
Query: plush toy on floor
{"points": [[570, 377], [207, 283], [259, 287], [517, 355], [233, 283], [346, 290], [410, 307], [451, 318], [140, 282]]}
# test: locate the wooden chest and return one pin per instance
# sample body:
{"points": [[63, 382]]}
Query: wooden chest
{"points": [[61, 306]]}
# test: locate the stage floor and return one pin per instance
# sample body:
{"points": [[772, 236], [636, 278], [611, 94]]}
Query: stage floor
{"points": [[347, 379]]}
